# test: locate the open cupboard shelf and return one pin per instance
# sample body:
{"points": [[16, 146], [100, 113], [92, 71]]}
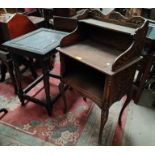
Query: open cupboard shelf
{"points": [[99, 58], [85, 79], [93, 54]]}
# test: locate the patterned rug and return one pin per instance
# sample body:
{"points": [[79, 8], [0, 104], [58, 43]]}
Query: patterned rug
{"points": [[30, 124]]}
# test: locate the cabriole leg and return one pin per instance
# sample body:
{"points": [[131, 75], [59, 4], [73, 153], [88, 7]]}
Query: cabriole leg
{"points": [[104, 117], [123, 108]]}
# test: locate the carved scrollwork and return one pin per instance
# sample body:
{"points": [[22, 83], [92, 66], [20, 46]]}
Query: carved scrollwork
{"points": [[137, 21], [82, 15], [113, 17], [134, 50], [116, 16], [96, 14]]}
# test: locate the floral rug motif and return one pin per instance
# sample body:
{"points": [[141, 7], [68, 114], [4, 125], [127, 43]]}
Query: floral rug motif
{"points": [[60, 129], [79, 126]]}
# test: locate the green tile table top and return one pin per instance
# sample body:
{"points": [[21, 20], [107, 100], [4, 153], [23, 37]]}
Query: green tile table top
{"points": [[39, 42]]}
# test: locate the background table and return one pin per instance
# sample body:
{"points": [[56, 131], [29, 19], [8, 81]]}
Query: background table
{"points": [[39, 44], [146, 67]]}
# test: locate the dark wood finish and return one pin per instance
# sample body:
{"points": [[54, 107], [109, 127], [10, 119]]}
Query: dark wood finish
{"points": [[7, 64], [62, 90], [39, 44], [38, 21], [9, 30], [152, 14], [99, 58], [47, 13], [65, 12], [146, 12], [66, 23], [145, 66], [3, 110]]}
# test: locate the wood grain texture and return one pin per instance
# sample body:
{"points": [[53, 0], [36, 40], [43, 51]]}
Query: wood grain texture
{"points": [[93, 54], [99, 58], [110, 26]]}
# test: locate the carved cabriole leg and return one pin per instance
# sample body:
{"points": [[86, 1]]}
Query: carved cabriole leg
{"points": [[45, 69], [18, 79], [104, 117], [129, 97], [3, 110], [62, 91], [105, 107]]}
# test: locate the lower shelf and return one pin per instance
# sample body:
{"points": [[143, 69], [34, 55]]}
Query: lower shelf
{"points": [[88, 82]]}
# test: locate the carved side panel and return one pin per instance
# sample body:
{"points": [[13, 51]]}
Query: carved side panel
{"points": [[121, 83], [134, 50], [71, 38]]}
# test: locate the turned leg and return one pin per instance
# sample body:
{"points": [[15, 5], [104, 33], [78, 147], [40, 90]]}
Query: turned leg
{"points": [[18, 79], [104, 117], [45, 68], [62, 91]]}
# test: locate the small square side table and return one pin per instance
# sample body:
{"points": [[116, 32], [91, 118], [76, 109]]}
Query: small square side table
{"points": [[39, 44]]}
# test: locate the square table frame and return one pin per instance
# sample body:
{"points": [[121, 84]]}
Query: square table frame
{"points": [[16, 46]]}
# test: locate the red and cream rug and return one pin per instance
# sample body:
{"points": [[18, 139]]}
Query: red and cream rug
{"points": [[30, 124]]}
